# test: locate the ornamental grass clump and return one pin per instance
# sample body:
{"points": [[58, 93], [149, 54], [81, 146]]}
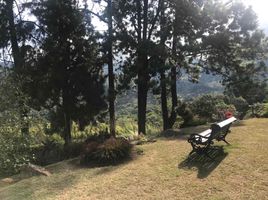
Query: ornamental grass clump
{"points": [[109, 151]]}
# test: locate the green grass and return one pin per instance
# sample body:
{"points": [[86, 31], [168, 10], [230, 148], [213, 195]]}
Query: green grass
{"points": [[163, 172]]}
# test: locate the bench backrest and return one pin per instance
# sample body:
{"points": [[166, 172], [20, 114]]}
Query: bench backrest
{"points": [[221, 127]]}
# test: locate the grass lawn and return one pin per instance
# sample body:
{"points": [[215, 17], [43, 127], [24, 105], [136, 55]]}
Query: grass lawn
{"points": [[164, 172]]}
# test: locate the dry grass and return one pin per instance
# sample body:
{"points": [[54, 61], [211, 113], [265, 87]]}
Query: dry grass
{"points": [[164, 172]]}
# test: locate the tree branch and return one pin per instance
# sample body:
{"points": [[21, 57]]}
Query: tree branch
{"points": [[100, 17], [154, 20]]}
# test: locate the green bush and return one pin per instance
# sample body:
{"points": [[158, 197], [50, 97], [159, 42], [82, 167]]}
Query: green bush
{"points": [[110, 151], [265, 110], [220, 109], [258, 110], [241, 106], [185, 112], [50, 151], [211, 107], [14, 152]]}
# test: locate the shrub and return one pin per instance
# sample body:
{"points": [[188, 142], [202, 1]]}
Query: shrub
{"points": [[241, 106], [110, 151], [211, 107], [220, 109], [258, 110], [265, 110], [14, 152], [184, 111], [50, 151]]}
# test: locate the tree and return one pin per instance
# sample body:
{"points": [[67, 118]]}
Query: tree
{"points": [[217, 38], [135, 25], [108, 39], [16, 33], [111, 68], [65, 74]]}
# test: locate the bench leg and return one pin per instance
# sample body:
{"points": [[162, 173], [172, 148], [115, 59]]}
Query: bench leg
{"points": [[193, 151], [226, 141]]}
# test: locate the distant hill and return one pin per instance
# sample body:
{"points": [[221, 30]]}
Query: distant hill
{"points": [[207, 84], [185, 89]]}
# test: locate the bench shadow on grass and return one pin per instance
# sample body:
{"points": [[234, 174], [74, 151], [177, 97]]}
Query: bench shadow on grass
{"points": [[203, 163]]}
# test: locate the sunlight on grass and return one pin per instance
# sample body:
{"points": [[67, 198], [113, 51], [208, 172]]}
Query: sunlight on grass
{"points": [[238, 172]]}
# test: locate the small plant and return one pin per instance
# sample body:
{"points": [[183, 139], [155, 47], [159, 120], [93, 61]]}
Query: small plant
{"points": [[110, 151]]}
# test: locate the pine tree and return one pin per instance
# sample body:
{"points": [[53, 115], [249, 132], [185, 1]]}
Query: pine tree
{"points": [[65, 73]]}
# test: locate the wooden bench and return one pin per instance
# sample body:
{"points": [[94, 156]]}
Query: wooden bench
{"points": [[201, 142]]}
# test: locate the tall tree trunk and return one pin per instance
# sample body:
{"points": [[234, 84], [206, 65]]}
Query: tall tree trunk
{"points": [[67, 119], [142, 102], [110, 71], [18, 63], [13, 36], [142, 65], [173, 114], [173, 87], [164, 100], [67, 129], [163, 80]]}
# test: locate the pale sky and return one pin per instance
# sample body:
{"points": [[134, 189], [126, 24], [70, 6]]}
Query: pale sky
{"points": [[261, 9], [259, 6]]}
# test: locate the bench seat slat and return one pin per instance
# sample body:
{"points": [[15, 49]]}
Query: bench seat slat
{"points": [[226, 122], [205, 133]]}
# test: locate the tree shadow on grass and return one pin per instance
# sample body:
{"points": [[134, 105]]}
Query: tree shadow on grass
{"points": [[239, 123], [203, 163], [182, 134]]}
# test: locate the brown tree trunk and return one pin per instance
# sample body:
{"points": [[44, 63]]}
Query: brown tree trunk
{"points": [[18, 63], [142, 65], [142, 93], [67, 119], [13, 36], [67, 129], [163, 80], [173, 86], [142, 104], [164, 106], [110, 71], [173, 114]]}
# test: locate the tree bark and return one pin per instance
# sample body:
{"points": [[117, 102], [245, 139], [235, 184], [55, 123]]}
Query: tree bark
{"points": [[67, 129], [67, 119], [173, 114], [163, 80], [164, 106], [173, 86], [110, 71], [18, 63], [13, 36], [142, 65], [142, 102]]}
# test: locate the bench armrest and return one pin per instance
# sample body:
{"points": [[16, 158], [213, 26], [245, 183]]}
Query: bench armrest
{"points": [[197, 138]]}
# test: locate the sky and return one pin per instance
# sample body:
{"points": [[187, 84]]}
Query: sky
{"points": [[261, 9], [259, 6]]}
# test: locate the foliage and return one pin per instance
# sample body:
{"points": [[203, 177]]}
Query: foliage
{"points": [[109, 151], [240, 104], [14, 151], [65, 74], [250, 83], [257, 110], [185, 112], [211, 107]]}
